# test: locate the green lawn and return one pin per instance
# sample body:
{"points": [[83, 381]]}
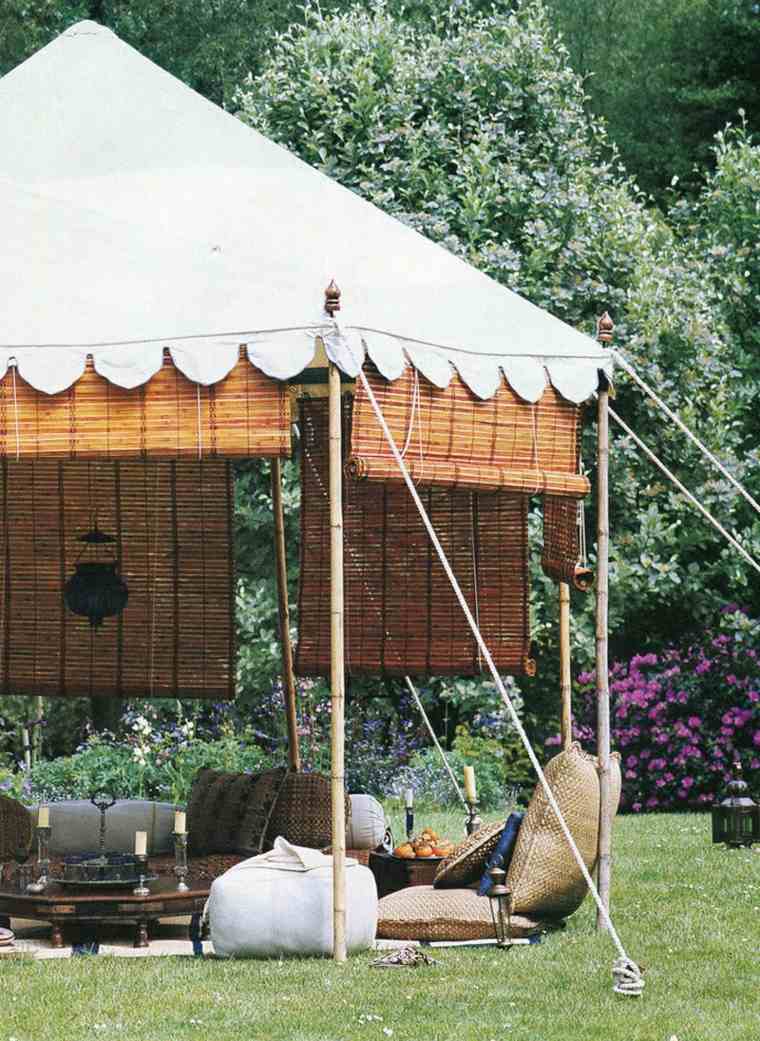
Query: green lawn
{"points": [[687, 911]]}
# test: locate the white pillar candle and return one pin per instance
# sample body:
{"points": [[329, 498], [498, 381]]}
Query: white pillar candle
{"points": [[409, 798], [469, 784], [141, 843], [43, 817], [180, 826]]}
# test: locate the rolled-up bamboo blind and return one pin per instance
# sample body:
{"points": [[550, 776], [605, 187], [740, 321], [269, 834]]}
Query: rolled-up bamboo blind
{"points": [[561, 550], [172, 522], [453, 439], [401, 614], [245, 415]]}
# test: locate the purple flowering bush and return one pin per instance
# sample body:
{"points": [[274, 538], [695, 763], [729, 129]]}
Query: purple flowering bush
{"points": [[682, 717]]}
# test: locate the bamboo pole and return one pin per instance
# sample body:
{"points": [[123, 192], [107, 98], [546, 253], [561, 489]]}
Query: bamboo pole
{"points": [[604, 858], [283, 614], [565, 682], [337, 668]]}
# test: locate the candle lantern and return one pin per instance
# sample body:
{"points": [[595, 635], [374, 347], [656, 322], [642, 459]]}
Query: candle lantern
{"points": [[500, 900], [736, 819], [96, 590]]}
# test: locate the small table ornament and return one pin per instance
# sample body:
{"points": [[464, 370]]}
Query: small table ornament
{"points": [[180, 860], [39, 885]]}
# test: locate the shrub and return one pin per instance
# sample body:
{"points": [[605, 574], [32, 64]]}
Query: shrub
{"points": [[681, 718], [146, 763]]}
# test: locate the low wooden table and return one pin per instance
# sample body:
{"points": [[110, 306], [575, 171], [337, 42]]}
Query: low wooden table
{"points": [[394, 873], [66, 905]]}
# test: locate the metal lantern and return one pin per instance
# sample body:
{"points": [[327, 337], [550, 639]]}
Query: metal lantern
{"points": [[96, 590], [500, 900], [736, 819]]}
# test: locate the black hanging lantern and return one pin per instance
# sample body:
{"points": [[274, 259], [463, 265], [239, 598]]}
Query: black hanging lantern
{"points": [[96, 590], [736, 819]]}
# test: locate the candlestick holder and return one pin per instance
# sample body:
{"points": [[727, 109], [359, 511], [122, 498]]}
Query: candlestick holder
{"points": [[43, 861], [472, 821], [409, 822], [180, 861], [141, 889]]}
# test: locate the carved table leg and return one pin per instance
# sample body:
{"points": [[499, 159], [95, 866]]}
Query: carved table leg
{"points": [[141, 940], [56, 935]]}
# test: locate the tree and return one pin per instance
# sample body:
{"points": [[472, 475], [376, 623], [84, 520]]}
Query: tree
{"points": [[665, 74], [210, 44], [474, 132]]}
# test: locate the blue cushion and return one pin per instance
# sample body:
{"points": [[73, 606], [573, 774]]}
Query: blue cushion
{"points": [[505, 847]]}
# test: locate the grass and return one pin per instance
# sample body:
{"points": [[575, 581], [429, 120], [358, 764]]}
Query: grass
{"points": [[688, 911]]}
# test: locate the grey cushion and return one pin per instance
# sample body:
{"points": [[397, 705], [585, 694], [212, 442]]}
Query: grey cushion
{"points": [[75, 825]]}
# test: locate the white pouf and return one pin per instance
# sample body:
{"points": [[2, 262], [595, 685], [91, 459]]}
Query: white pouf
{"points": [[280, 903], [367, 824]]}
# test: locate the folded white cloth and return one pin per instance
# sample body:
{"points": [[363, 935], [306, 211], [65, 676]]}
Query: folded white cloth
{"points": [[284, 856]]}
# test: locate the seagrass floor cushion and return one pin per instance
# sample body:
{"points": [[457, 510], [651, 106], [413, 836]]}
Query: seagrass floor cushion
{"points": [[15, 827], [280, 903], [466, 863], [427, 913], [544, 877]]}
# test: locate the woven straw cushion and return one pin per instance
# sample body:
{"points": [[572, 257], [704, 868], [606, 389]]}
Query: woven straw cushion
{"points": [[466, 863], [15, 827], [303, 811], [544, 878], [426, 913]]}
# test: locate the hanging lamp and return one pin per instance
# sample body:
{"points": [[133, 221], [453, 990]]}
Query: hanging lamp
{"points": [[96, 590]]}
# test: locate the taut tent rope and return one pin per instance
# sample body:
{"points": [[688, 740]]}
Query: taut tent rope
{"points": [[626, 365], [626, 973], [685, 491]]}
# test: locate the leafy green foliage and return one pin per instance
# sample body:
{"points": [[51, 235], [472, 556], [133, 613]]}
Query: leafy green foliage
{"points": [[210, 44], [665, 74], [146, 764], [473, 131]]}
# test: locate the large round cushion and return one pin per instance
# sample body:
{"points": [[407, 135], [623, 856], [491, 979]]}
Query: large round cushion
{"points": [[425, 913], [75, 825], [544, 877], [15, 827], [367, 824], [269, 912]]}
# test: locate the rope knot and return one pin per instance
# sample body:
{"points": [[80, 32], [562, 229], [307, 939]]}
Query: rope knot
{"points": [[627, 978]]}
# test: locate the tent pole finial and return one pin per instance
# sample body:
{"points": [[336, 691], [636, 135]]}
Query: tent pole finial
{"points": [[332, 298], [605, 327]]}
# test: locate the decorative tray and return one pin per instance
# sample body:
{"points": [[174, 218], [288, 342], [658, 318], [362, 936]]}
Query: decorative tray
{"points": [[123, 883]]}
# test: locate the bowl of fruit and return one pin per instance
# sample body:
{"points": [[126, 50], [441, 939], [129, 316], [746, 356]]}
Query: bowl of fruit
{"points": [[428, 845]]}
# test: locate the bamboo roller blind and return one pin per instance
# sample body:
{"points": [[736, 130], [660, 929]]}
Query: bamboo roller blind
{"points": [[561, 550], [245, 415], [453, 439], [173, 527], [401, 614]]}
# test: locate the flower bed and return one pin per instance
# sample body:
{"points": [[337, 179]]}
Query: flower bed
{"points": [[681, 718]]}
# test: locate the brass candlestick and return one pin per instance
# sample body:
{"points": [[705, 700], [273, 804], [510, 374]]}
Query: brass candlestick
{"points": [[180, 861], [472, 821], [43, 861], [142, 873]]}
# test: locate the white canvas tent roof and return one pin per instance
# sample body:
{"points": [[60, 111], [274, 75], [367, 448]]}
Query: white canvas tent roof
{"points": [[137, 215]]}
